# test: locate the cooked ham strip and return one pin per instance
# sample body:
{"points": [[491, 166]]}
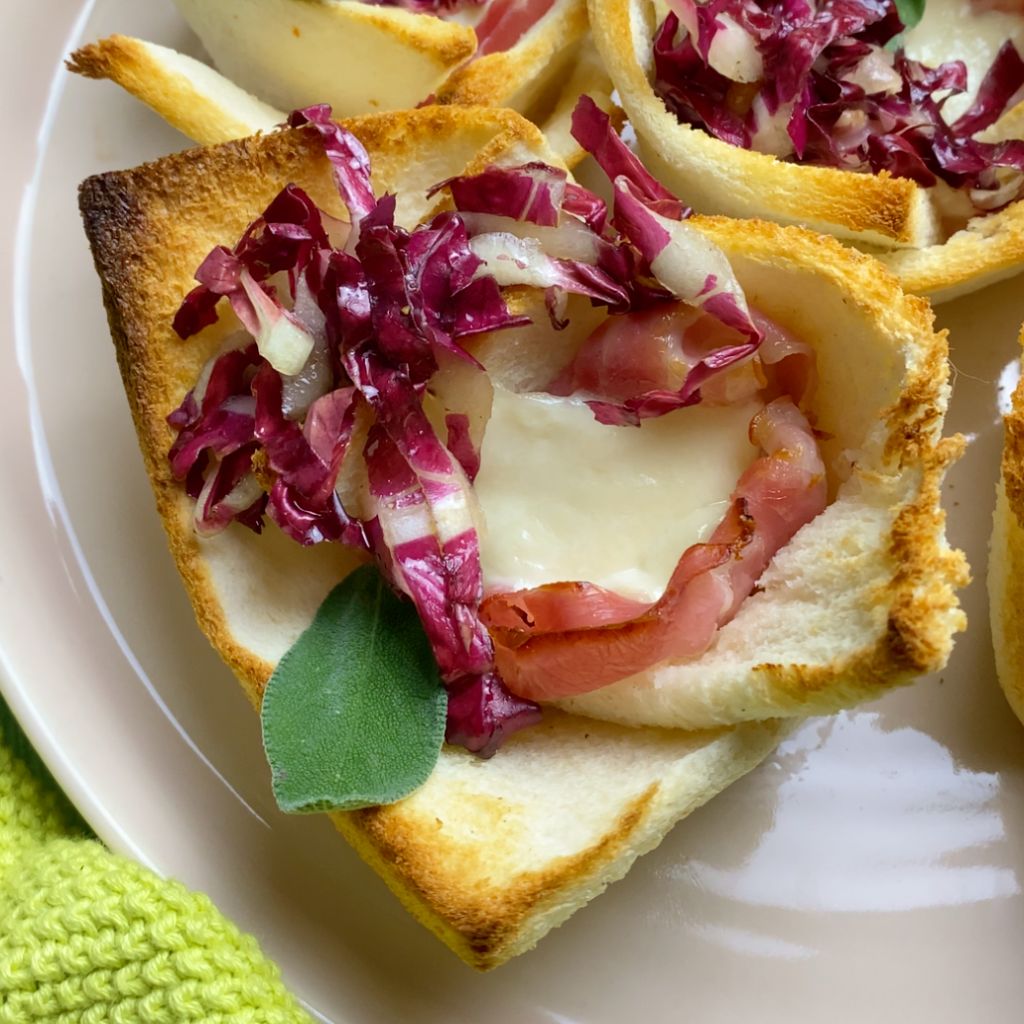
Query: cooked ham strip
{"points": [[543, 658]]}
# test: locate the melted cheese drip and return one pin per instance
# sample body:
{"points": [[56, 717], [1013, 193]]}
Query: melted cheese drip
{"points": [[567, 498], [952, 30]]}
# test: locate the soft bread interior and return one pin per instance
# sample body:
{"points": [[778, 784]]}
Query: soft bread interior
{"points": [[358, 57], [489, 855], [891, 216], [1006, 559]]}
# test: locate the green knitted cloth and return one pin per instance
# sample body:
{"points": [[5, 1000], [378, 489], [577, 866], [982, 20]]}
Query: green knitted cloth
{"points": [[87, 937]]}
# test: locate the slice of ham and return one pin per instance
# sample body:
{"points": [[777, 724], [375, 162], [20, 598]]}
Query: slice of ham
{"points": [[555, 608], [639, 363], [550, 645], [505, 22]]}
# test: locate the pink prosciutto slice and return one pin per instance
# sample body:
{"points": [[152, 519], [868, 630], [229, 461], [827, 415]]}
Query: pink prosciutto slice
{"points": [[650, 362], [505, 22], [782, 490], [554, 608]]}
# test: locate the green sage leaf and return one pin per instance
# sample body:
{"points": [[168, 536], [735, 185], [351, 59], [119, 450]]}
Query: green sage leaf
{"points": [[354, 713], [910, 11]]}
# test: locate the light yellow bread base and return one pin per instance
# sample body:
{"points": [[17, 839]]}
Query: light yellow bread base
{"points": [[542, 77], [200, 102], [1006, 560], [488, 855], [864, 597], [358, 57], [891, 215]]}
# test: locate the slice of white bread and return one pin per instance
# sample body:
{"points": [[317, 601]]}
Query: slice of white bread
{"points": [[488, 855], [363, 59], [200, 102], [1006, 558], [545, 77], [891, 214], [988, 250]]}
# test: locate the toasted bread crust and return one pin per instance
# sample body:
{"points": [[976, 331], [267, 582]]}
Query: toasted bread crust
{"points": [[483, 932], [175, 92], [447, 43], [1006, 558], [876, 210], [490, 927], [988, 250], [148, 229], [533, 78], [519, 77], [361, 58], [716, 177]]}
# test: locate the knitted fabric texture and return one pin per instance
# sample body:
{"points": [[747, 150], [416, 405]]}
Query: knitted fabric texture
{"points": [[87, 937]]}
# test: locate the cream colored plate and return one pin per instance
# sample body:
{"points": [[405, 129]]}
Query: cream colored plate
{"points": [[870, 871]]}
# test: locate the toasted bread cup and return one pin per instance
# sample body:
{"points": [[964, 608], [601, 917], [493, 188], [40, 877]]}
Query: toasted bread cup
{"points": [[1006, 558], [528, 76], [363, 59], [542, 76], [489, 855], [863, 598], [360, 58], [893, 216]]}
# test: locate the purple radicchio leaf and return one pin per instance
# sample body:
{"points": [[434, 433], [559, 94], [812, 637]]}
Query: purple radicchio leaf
{"points": [[350, 163], [306, 462], [593, 130], [532, 192], [482, 713]]}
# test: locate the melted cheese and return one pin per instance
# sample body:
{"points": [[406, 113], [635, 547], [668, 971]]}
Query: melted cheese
{"points": [[567, 498], [952, 30]]}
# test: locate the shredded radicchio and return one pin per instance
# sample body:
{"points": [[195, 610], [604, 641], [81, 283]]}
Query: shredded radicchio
{"points": [[314, 413], [813, 81]]}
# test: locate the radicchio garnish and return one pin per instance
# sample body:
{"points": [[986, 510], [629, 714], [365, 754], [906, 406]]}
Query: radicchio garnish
{"points": [[212, 453], [529, 226], [355, 338], [482, 713], [811, 81], [533, 192], [342, 334], [350, 163]]}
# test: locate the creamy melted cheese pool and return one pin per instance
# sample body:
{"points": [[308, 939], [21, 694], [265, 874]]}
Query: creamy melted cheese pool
{"points": [[953, 30], [567, 498]]}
